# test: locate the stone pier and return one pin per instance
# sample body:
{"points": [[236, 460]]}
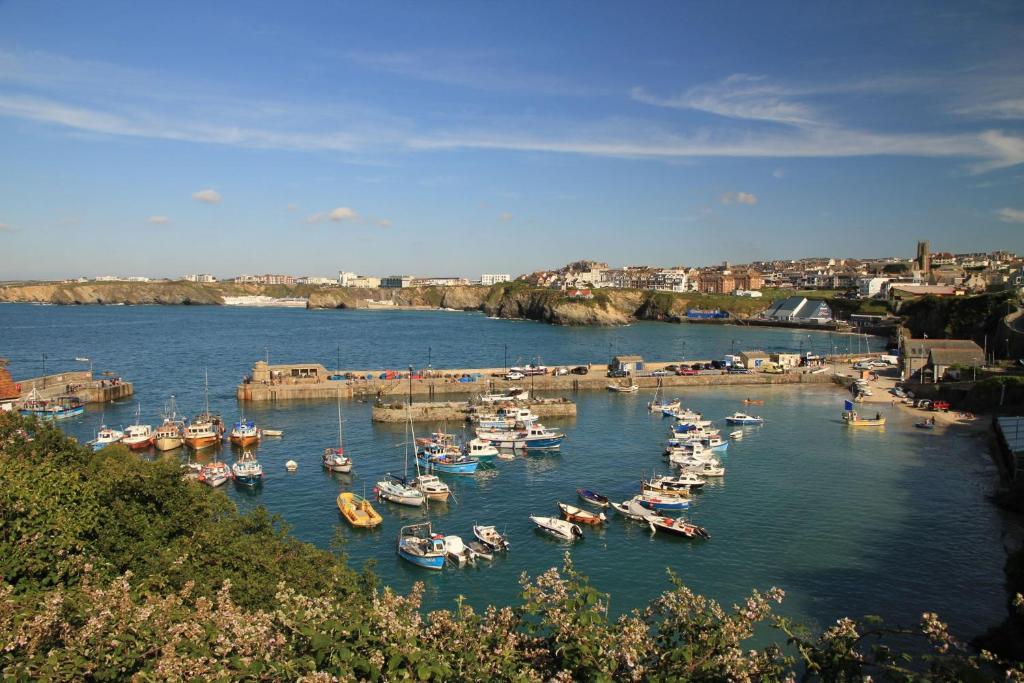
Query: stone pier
{"points": [[459, 411]]}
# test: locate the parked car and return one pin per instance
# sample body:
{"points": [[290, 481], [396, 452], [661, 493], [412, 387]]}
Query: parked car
{"points": [[672, 368], [863, 365], [738, 371], [514, 375], [618, 373], [560, 371], [580, 370], [687, 371], [660, 373], [716, 364]]}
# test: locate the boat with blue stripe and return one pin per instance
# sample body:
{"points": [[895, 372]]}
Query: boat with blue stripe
{"points": [[419, 545], [446, 460]]}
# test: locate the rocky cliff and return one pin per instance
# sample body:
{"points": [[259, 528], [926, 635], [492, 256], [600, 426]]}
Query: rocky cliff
{"points": [[167, 293]]}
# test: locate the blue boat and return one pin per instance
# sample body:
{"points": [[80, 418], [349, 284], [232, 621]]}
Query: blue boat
{"points": [[535, 437], [59, 408], [437, 458], [656, 502], [418, 544]]}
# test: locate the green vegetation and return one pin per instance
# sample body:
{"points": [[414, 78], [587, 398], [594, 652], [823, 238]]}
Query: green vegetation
{"points": [[958, 317], [114, 568]]}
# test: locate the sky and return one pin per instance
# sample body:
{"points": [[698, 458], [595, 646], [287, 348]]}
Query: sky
{"points": [[442, 138]]}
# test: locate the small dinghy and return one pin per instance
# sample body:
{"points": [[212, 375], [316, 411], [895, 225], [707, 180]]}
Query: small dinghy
{"points": [[738, 434], [559, 528], [677, 527], [632, 509], [926, 424], [593, 497], [490, 537], [273, 432], [481, 550], [744, 419], [458, 552], [575, 514]]}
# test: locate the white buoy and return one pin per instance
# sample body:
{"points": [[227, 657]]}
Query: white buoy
{"points": [[291, 465]]}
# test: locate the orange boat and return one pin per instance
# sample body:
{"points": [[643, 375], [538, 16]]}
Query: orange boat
{"points": [[575, 514], [753, 402]]}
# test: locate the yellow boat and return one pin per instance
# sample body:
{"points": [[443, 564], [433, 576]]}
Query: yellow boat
{"points": [[358, 511], [854, 420]]}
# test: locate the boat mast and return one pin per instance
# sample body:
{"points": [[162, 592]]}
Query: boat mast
{"points": [[206, 389], [341, 442]]}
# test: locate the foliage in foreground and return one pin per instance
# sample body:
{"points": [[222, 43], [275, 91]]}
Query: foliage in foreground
{"points": [[114, 568]]}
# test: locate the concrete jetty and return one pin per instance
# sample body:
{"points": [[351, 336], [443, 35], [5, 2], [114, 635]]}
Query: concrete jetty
{"points": [[312, 381], [459, 411], [78, 383]]}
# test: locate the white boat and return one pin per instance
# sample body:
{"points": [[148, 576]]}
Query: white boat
{"points": [[458, 552], [106, 436], [739, 418], [247, 469], [660, 405], [559, 528], [632, 509], [738, 434], [291, 465], [630, 389], [431, 487], [704, 468], [481, 450], [273, 432], [490, 537], [514, 394], [682, 414], [334, 459], [396, 490], [536, 436]]}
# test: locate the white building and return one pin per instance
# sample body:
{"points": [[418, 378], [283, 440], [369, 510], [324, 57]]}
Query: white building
{"points": [[494, 278], [868, 287], [364, 282], [438, 281], [396, 281], [109, 278], [345, 278], [316, 280], [199, 277]]}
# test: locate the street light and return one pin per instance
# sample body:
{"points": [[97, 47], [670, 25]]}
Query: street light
{"points": [[44, 370], [410, 385], [428, 358], [506, 358]]}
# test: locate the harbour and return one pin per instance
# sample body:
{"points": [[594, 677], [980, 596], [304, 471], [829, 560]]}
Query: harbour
{"points": [[807, 504]]}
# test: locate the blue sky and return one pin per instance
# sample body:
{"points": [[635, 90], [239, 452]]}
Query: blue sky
{"points": [[459, 138]]}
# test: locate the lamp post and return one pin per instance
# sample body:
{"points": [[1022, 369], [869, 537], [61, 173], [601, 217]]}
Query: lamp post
{"points": [[506, 359], [428, 358], [44, 370], [410, 385]]}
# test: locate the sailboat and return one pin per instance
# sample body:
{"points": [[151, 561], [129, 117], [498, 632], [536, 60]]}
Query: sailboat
{"points": [[659, 404], [397, 489], [206, 428], [138, 436], [427, 484], [170, 434], [334, 459]]}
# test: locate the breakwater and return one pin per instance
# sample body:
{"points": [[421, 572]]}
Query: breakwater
{"points": [[79, 383], [459, 411]]}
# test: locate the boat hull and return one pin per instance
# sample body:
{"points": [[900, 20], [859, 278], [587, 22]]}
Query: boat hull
{"points": [[243, 441], [666, 503], [168, 443], [48, 415], [138, 445], [445, 468], [199, 442], [434, 562]]}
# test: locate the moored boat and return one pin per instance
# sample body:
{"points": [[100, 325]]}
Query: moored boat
{"points": [[677, 527], [480, 550], [201, 434], [575, 514], [480, 449], [419, 545], [632, 509], [334, 459], [358, 511], [291, 466], [445, 459], [106, 436], [458, 552], [491, 537], [396, 490], [739, 418], [431, 487], [628, 389], [247, 469], [853, 419], [654, 501], [593, 497], [244, 433], [58, 408], [215, 474], [559, 528]]}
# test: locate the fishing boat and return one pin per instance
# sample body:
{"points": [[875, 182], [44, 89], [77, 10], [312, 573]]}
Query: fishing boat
{"points": [[357, 511], [397, 490], [714, 443], [753, 402], [171, 433], [244, 433], [491, 537], [291, 466], [559, 528], [665, 486], [593, 497], [418, 544], [334, 459], [247, 469], [655, 501], [506, 418], [445, 459], [534, 437], [632, 509], [853, 419], [215, 474], [575, 514], [138, 436], [458, 552], [58, 408], [106, 436], [480, 449], [684, 479], [191, 471], [431, 487], [618, 388], [206, 428], [709, 468], [739, 418], [690, 425], [677, 527]]}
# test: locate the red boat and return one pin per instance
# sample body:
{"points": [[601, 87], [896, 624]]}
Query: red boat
{"points": [[677, 527]]}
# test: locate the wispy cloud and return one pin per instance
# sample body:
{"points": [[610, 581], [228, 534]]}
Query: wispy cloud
{"points": [[342, 213], [346, 214], [505, 216], [207, 196], [1008, 215], [747, 198], [158, 220]]}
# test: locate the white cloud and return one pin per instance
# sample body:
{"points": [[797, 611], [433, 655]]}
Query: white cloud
{"points": [[1008, 215], [208, 196], [343, 213], [504, 216], [158, 220], [747, 198]]}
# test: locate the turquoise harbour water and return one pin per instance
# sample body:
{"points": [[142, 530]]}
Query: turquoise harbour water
{"points": [[849, 522]]}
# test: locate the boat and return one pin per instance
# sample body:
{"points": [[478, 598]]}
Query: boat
{"points": [[418, 544], [665, 486], [660, 405], [677, 527], [575, 514], [513, 394], [247, 469], [480, 449], [458, 552], [58, 408], [334, 459], [687, 479], [244, 433], [739, 418], [491, 537], [191, 471], [632, 509], [753, 402], [138, 436], [445, 459], [206, 428], [853, 419], [506, 418], [106, 436], [481, 550], [431, 487], [738, 434], [215, 474], [171, 433], [536, 436], [926, 424], [559, 528], [357, 511], [618, 388], [395, 489], [654, 501], [682, 414], [709, 468], [592, 497], [273, 432], [291, 465]]}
